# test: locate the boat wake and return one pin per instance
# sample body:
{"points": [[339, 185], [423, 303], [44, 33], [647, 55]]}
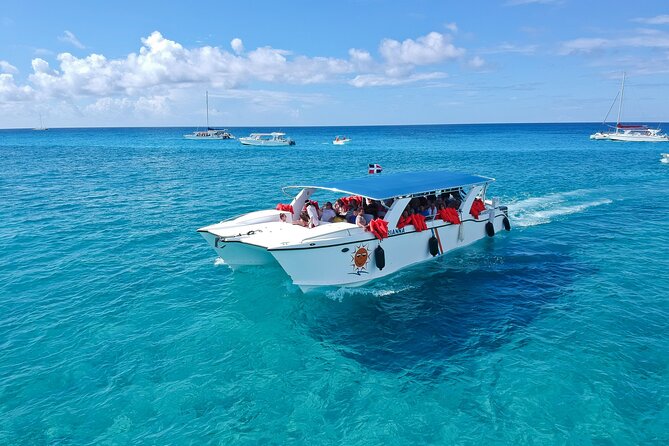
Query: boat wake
{"points": [[219, 262], [539, 210], [339, 294]]}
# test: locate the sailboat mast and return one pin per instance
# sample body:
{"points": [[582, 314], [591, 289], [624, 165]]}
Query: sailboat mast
{"points": [[620, 106], [207, 95]]}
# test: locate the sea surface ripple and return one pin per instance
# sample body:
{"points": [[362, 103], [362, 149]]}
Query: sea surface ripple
{"points": [[119, 326]]}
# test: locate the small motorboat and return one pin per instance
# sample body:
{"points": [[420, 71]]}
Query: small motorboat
{"points": [[267, 139], [665, 158], [341, 140], [341, 253]]}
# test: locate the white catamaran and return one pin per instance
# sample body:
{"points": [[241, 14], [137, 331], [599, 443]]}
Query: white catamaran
{"points": [[347, 254], [625, 132], [210, 133]]}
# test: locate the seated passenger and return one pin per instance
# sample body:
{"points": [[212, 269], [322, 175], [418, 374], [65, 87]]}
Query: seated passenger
{"points": [[431, 210], [312, 213], [328, 213], [360, 218], [303, 220], [423, 211]]}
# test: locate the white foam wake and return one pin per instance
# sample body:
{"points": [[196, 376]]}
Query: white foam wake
{"points": [[539, 210]]}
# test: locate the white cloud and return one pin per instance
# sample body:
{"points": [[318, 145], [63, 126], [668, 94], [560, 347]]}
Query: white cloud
{"points": [[476, 62], [237, 45], [452, 27], [643, 39], [375, 80], [6, 67], [657, 20], [511, 48], [146, 78], [432, 48], [69, 37], [10, 92]]}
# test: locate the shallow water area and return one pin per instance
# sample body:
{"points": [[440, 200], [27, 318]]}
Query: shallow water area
{"points": [[118, 324]]}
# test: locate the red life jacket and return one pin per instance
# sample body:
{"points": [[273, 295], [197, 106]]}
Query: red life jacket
{"points": [[477, 208], [379, 228], [450, 215], [284, 207]]}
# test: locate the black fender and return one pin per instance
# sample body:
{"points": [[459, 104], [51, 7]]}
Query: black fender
{"points": [[433, 246], [380, 257], [489, 229]]}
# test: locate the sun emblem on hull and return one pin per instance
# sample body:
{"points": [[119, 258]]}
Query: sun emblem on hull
{"points": [[360, 259]]}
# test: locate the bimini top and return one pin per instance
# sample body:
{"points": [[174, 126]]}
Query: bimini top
{"points": [[383, 186]]}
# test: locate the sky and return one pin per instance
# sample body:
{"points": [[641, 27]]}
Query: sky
{"points": [[343, 62]]}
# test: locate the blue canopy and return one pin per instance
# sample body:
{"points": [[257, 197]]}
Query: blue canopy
{"points": [[384, 186]]}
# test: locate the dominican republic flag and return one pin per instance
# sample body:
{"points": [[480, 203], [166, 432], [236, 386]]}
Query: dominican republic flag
{"points": [[375, 168]]}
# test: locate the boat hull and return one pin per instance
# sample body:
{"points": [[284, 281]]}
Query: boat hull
{"points": [[247, 142], [638, 138], [353, 262]]}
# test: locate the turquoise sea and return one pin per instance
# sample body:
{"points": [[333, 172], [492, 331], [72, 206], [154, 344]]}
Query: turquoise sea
{"points": [[118, 325]]}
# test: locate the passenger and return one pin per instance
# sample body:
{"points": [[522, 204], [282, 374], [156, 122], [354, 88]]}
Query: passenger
{"points": [[328, 213], [340, 208], [283, 218], [423, 211], [351, 214], [303, 220], [359, 218], [432, 210], [312, 213]]}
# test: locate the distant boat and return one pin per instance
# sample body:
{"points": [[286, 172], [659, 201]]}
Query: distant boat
{"points": [[665, 158], [625, 132], [210, 133], [273, 139], [41, 124], [341, 140]]}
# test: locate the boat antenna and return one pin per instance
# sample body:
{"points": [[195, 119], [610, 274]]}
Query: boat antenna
{"points": [[207, 100], [620, 106]]}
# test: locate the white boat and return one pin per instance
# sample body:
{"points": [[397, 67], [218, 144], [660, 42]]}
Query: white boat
{"points": [[210, 133], [344, 254], [623, 132], [267, 139], [41, 124], [640, 133], [341, 140], [665, 158]]}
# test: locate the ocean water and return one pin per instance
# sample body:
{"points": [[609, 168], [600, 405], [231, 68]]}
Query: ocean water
{"points": [[119, 326]]}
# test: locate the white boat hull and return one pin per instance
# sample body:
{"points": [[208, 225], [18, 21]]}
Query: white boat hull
{"points": [[249, 142], [335, 265], [337, 254], [638, 138], [341, 142]]}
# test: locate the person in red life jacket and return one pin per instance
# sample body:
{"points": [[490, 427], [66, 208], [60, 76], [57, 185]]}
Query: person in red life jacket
{"points": [[404, 219]]}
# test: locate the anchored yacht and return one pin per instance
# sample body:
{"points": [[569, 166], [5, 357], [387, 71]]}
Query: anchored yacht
{"points": [[624, 132], [210, 133], [347, 254]]}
